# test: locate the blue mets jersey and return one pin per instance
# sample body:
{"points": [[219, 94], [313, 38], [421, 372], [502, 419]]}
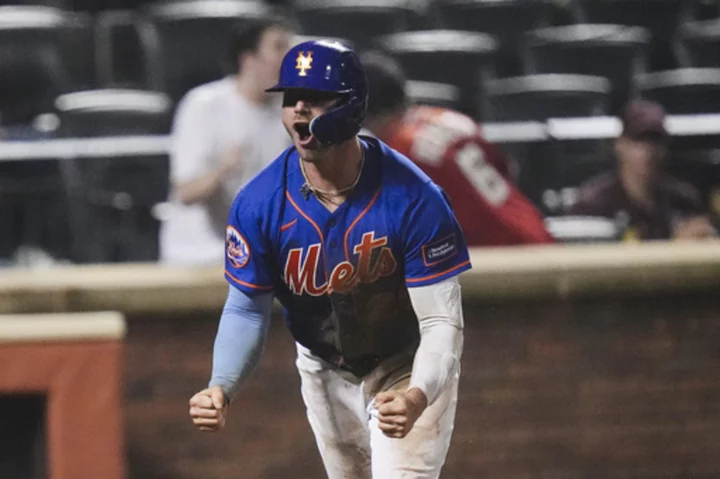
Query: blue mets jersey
{"points": [[342, 276]]}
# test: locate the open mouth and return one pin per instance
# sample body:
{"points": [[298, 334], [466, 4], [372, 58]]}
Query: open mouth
{"points": [[303, 132]]}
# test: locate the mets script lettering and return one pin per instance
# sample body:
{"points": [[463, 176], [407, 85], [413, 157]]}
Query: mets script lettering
{"points": [[300, 275]]}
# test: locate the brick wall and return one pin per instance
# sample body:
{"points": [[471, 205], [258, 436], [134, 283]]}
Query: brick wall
{"points": [[584, 389]]}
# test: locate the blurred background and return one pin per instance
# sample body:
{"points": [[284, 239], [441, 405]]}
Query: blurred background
{"points": [[77, 71], [127, 126]]}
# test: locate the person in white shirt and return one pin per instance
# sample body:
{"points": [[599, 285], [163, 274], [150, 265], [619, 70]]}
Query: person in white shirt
{"points": [[224, 133]]}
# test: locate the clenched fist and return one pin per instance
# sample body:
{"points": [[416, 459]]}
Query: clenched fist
{"points": [[398, 411], [208, 409]]}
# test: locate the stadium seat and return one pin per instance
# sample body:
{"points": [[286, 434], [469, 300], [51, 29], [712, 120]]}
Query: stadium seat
{"points": [[614, 52], [61, 4], [88, 6], [77, 45], [32, 69], [186, 41], [660, 17], [552, 166], [701, 168], [33, 72], [505, 20], [699, 44], [539, 97], [111, 198], [297, 39], [703, 10], [33, 210], [550, 172], [360, 21], [121, 61], [582, 229], [462, 59], [573, 162], [655, 15], [113, 113], [95, 6], [434, 94], [683, 91]]}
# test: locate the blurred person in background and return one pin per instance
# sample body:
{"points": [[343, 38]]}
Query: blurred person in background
{"points": [[224, 133], [645, 202], [448, 146]]}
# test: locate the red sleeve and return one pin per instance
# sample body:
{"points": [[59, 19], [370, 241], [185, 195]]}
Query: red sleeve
{"points": [[490, 209], [475, 174]]}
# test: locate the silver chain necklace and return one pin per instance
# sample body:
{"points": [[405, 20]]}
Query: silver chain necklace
{"points": [[337, 192]]}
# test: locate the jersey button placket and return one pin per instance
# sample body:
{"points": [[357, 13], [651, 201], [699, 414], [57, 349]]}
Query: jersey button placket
{"points": [[333, 243]]}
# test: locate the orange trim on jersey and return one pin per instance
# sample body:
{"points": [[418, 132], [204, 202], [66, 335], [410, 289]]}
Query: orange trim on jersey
{"points": [[249, 285], [433, 276], [352, 225], [317, 228], [288, 225]]}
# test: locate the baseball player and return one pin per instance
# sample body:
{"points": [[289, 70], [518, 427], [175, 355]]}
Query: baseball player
{"points": [[363, 251], [449, 147]]}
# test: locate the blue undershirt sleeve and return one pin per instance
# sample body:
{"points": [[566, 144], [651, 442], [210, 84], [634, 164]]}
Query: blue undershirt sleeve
{"points": [[240, 339]]}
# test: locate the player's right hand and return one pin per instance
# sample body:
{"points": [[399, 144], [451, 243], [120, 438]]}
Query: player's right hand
{"points": [[208, 409]]}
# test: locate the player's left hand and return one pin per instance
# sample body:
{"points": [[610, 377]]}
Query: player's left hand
{"points": [[398, 411]]}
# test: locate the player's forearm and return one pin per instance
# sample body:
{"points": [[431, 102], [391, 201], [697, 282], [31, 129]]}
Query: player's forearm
{"points": [[240, 339], [437, 359]]}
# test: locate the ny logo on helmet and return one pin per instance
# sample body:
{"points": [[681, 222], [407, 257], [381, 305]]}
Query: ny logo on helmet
{"points": [[304, 62]]}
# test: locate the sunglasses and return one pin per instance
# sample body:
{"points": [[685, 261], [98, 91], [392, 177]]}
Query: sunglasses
{"points": [[309, 97]]}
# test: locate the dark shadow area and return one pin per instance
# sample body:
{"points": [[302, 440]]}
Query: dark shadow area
{"points": [[23, 436]]}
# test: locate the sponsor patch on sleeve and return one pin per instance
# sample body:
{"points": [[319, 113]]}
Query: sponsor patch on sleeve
{"points": [[237, 249], [440, 250]]}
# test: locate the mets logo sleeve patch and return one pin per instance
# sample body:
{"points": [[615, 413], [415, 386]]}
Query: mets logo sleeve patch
{"points": [[435, 247], [246, 250], [236, 248]]}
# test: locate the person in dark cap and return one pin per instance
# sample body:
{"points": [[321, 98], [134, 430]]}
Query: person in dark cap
{"points": [[645, 203]]}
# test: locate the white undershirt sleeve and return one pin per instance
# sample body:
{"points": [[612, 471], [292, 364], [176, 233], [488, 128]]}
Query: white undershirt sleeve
{"points": [[437, 360]]}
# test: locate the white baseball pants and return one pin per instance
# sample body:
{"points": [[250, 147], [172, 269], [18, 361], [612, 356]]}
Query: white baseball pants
{"points": [[343, 418]]}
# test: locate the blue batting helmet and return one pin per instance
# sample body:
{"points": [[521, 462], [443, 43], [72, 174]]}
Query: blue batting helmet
{"points": [[330, 67]]}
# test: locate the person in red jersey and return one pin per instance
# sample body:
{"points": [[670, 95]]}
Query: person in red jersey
{"points": [[448, 146]]}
